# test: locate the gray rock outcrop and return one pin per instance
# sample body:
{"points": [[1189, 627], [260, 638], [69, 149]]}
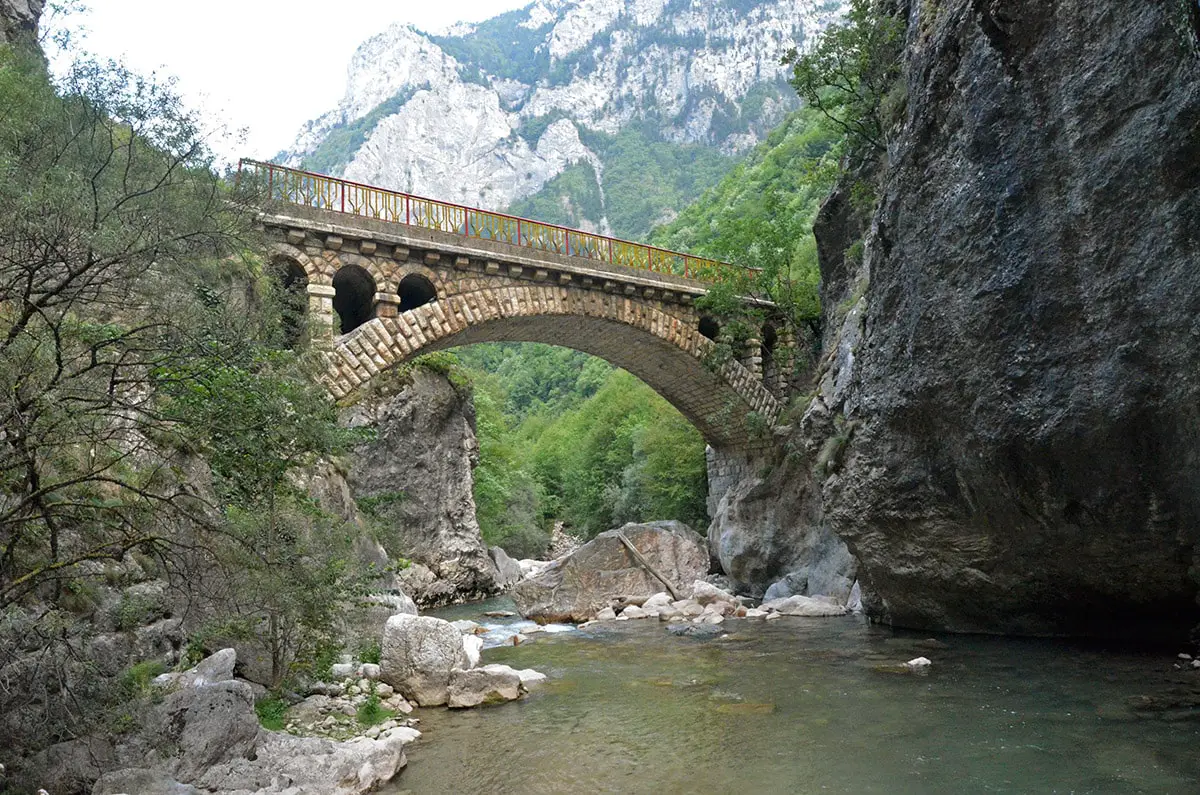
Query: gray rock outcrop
{"points": [[765, 528], [414, 479], [19, 21], [579, 586], [509, 571], [205, 737], [1021, 401]]}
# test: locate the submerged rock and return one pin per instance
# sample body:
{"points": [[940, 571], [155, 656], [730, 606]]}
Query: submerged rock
{"points": [[602, 570], [697, 631], [480, 686]]}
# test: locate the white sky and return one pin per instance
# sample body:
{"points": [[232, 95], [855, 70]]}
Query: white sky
{"points": [[266, 66]]}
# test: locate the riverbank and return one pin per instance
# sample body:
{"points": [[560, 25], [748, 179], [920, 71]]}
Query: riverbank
{"points": [[812, 705]]}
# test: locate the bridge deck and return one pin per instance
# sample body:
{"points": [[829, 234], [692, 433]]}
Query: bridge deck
{"points": [[322, 192]]}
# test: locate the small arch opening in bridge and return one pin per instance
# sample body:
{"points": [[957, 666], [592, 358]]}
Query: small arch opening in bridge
{"points": [[293, 298], [710, 328], [415, 290], [354, 297], [770, 370]]}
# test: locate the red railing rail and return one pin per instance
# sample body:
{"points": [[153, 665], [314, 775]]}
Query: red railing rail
{"points": [[324, 192]]}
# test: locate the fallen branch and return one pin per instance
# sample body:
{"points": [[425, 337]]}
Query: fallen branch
{"points": [[646, 565]]}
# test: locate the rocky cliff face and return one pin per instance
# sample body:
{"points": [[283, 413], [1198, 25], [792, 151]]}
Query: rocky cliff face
{"points": [[19, 20], [1018, 382], [414, 481], [488, 114]]}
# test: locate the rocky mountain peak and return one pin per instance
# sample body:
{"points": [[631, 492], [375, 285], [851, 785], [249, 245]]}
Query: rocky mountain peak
{"points": [[473, 114]]}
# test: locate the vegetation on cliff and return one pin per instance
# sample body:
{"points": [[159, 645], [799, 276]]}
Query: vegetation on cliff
{"points": [[149, 421]]}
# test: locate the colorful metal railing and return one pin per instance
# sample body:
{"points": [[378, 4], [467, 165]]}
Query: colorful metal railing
{"points": [[319, 191]]}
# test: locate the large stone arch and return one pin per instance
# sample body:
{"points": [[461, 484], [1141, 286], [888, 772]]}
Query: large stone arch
{"points": [[663, 350]]}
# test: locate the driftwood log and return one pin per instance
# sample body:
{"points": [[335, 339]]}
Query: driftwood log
{"points": [[645, 564]]}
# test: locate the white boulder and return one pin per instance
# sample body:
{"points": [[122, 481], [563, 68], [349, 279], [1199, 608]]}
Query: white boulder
{"points": [[419, 655]]}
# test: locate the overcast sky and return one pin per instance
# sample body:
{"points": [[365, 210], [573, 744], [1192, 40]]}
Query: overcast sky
{"points": [[264, 65]]}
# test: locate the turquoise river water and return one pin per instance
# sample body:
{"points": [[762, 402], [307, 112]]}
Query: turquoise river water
{"points": [[814, 706]]}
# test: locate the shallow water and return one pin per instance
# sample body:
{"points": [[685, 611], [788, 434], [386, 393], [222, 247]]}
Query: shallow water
{"points": [[811, 706]]}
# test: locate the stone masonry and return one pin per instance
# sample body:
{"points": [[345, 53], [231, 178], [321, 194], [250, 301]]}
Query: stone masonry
{"points": [[488, 291]]}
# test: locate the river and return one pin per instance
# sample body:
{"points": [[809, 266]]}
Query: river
{"points": [[812, 706]]}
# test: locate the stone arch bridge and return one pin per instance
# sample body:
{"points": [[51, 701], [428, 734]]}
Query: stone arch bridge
{"points": [[390, 276]]}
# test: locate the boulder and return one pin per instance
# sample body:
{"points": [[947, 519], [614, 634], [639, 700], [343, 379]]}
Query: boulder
{"points": [[209, 724], [342, 670], [313, 766], [579, 586], [633, 611], [468, 627], [607, 614], [813, 607], [657, 602], [510, 572], [706, 594], [488, 685], [419, 654], [529, 677]]}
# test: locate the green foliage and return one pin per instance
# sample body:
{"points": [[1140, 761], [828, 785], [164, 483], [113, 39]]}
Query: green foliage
{"points": [[370, 653], [850, 71], [136, 679], [501, 47], [646, 180], [271, 711], [257, 418], [506, 495], [566, 437], [371, 712], [760, 215], [623, 455]]}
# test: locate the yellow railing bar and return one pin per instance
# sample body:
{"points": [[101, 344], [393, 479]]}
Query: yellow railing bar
{"points": [[330, 193]]}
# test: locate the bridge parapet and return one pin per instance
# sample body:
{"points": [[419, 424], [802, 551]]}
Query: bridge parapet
{"points": [[321, 192]]}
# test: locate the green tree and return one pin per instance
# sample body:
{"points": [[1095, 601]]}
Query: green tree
{"points": [[849, 72], [257, 419], [108, 200]]}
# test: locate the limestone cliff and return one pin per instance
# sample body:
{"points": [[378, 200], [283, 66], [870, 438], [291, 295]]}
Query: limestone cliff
{"points": [[1018, 379], [489, 114], [414, 482]]}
